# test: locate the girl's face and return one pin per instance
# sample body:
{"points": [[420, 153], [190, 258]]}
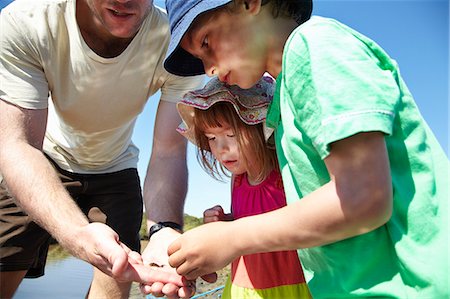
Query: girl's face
{"points": [[230, 44], [225, 148]]}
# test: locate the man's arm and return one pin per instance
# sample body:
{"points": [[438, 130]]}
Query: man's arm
{"points": [[165, 188], [165, 184], [31, 178], [38, 190]]}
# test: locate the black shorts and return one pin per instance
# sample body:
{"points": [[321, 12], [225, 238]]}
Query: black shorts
{"points": [[112, 198]]}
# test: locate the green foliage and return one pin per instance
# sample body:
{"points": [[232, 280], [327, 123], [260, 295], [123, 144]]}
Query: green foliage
{"points": [[189, 223]]}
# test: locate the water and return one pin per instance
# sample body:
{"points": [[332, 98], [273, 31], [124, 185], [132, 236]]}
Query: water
{"points": [[64, 278]]}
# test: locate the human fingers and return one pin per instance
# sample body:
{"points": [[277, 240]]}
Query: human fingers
{"points": [[187, 292], [210, 216], [145, 288], [211, 211], [210, 278], [190, 273], [102, 249], [156, 289], [133, 256], [218, 208], [176, 259], [118, 258], [173, 248], [170, 291], [150, 275], [213, 214]]}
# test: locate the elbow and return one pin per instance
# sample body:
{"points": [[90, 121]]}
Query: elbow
{"points": [[377, 209], [382, 210], [370, 210]]}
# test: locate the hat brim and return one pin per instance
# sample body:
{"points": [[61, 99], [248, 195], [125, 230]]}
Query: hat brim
{"points": [[178, 61], [250, 104]]}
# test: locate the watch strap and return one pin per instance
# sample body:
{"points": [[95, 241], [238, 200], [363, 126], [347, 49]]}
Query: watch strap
{"points": [[163, 224]]}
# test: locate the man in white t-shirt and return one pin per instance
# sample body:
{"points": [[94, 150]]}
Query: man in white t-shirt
{"points": [[75, 74]]}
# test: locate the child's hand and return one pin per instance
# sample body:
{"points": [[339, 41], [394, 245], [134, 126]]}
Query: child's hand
{"points": [[214, 214], [205, 249]]}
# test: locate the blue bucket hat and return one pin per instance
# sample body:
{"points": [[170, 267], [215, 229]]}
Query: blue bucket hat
{"points": [[181, 15]]}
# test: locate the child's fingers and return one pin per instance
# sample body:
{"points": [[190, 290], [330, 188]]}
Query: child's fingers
{"points": [[212, 277], [210, 213], [175, 258], [218, 208], [174, 247]]}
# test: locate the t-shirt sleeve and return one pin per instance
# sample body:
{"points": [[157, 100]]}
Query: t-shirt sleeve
{"points": [[22, 78], [175, 87], [338, 85]]}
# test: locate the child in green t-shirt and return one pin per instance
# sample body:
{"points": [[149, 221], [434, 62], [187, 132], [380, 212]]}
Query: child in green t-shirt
{"points": [[364, 176]]}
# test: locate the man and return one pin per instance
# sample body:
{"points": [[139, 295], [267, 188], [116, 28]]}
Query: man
{"points": [[74, 76]]}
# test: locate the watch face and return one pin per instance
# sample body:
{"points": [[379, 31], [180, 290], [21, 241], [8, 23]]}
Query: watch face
{"points": [[154, 228]]}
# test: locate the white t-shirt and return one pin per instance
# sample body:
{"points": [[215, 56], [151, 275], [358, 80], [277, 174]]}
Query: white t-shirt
{"points": [[93, 101]]}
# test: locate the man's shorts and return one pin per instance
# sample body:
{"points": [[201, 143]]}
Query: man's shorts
{"points": [[112, 198]]}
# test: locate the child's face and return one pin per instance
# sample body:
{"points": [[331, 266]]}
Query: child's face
{"points": [[229, 44], [225, 148]]}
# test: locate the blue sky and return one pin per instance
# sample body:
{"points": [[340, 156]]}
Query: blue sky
{"points": [[415, 33]]}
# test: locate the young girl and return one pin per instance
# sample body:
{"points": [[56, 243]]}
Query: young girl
{"points": [[365, 179], [226, 124]]}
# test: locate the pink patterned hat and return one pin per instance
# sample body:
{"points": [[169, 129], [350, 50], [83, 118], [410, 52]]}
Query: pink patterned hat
{"points": [[250, 104]]}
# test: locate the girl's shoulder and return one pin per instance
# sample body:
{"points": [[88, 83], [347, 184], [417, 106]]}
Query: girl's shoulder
{"points": [[237, 180], [276, 179]]}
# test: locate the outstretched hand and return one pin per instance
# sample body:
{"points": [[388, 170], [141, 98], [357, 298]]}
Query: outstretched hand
{"points": [[156, 254], [99, 245], [203, 250]]}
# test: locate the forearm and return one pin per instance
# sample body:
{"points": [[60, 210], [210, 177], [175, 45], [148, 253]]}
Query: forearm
{"points": [[165, 189], [358, 199], [38, 190], [30, 177], [317, 219]]}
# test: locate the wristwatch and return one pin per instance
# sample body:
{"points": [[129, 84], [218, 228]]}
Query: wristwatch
{"points": [[160, 225]]}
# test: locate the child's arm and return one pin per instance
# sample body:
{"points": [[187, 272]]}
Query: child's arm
{"points": [[358, 199]]}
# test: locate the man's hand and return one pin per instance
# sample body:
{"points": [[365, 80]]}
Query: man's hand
{"points": [[155, 255], [99, 245]]}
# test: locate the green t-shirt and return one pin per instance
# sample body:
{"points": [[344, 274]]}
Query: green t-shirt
{"points": [[336, 83]]}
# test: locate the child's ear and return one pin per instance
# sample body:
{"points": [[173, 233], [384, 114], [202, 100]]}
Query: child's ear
{"points": [[251, 6]]}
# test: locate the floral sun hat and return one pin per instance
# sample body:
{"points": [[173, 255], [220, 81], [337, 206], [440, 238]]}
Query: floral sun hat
{"points": [[250, 104]]}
